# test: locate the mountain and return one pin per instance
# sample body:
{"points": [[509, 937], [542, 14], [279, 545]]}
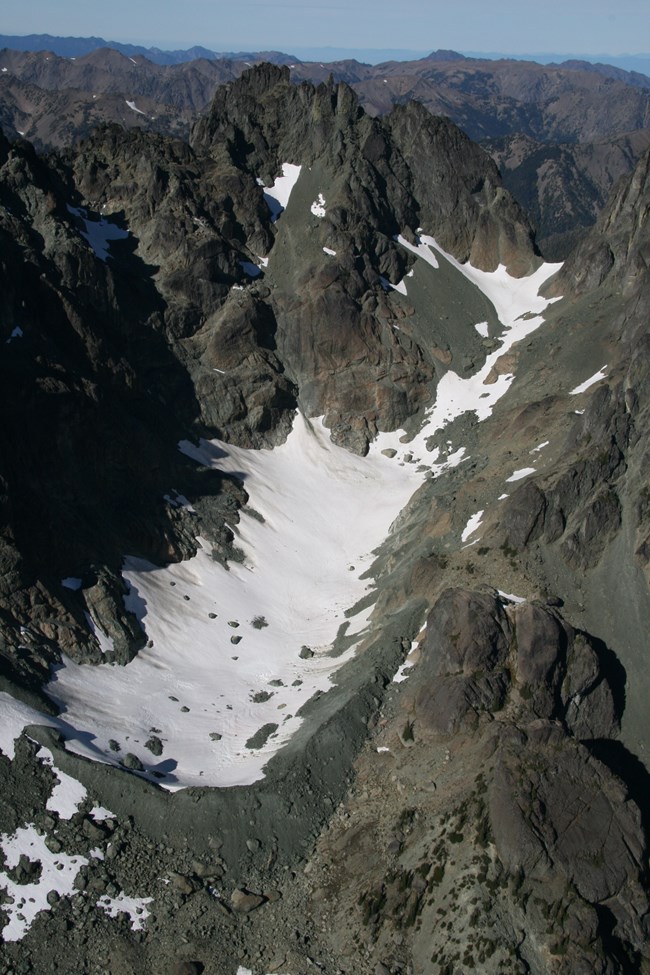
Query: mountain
{"points": [[324, 553], [75, 47], [561, 134]]}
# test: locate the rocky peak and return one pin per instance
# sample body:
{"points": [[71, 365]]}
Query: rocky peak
{"points": [[617, 248]]}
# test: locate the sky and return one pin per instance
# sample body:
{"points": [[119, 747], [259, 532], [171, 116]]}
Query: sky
{"points": [[508, 26]]}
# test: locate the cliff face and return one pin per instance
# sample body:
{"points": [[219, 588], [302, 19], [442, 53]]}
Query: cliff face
{"points": [[489, 812]]}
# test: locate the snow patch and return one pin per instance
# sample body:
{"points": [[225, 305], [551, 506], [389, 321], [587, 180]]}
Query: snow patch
{"points": [[400, 286], [589, 382], [520, 474], [278, 193], [318, 206], [98, 233], [68, 794], [100, 814], [511, 597], [482, 329], [105, 642], [133, 106], [329, 251], [540, 446], [134, 907], [472, 525], [58, 873]]}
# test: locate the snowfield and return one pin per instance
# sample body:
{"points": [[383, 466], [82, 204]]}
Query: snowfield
{"points": [[233, 654]]}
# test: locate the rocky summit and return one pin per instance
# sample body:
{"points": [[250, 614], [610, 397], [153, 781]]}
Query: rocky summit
{"points": [[324, 551]]}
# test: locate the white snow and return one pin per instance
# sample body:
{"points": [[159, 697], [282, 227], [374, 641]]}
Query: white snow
{"points": [[14, 717], [330, 502], [67, 794], [328, 250], [502, 497], [318, 206], [71, 582], [400, 286], [135, 907], [100, 814], [511, 597], [4, 70], [278, 193], [105, 642], [192, 681], [382, 749], [540, 446], [403, 671], [518, 475], [472, 525], [422, 249], [133, 60], [482, 329], [133, 106], [58, 872], [589, 382], [513, 298], [98, 233]]}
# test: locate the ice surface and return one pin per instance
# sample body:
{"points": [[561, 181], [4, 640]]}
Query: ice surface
{"points": [[58, 872], [277, 195], [98, 233], [589, 382]]}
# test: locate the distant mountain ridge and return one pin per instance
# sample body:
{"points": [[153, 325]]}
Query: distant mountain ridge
{"points": [[562, 135], [633, 64], [75, 47]]}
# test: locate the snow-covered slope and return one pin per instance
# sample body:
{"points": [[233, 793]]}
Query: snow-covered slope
{"points": [[234, 654]]}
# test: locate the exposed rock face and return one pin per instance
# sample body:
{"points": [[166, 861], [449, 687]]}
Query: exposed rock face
{"points": [[561, 134], [564, 187], [497, 819]]}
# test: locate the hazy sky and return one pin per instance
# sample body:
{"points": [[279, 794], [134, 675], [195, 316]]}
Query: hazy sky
{"points": [[510, 26]]}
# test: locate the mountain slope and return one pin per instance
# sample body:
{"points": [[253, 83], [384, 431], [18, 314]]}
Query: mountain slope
{"points": [[487, 812]]}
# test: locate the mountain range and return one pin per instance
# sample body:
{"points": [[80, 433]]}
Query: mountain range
{"points": [[561, 134], [325, 521]]}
